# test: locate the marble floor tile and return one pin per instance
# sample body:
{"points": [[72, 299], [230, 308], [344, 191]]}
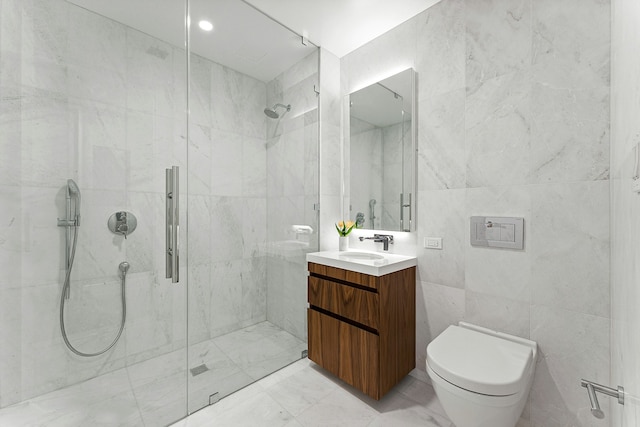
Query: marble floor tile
{"points": [[154, 392], [306, 395]]}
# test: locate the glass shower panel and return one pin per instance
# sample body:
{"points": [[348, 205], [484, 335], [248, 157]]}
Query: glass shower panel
{"points": [[252, 191], [93, 92]]}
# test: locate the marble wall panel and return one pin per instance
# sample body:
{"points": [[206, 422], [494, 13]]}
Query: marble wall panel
{"points": [[498, 313], [226, 296], [199, 154], [437, 307], [513, 121], [570, 247], [441, 40], [200, 90], [254, 167], [444, 216], [11, 350], [579, 349], [149, 70], [498, 38], [441, 141], [569, 134], [226, 163], [10, 138], [226, 226], [571, 43], [498, 131], [97, 58], [35, 44]]}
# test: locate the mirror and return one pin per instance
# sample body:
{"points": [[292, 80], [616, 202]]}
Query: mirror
{"points": [[379, 154]]}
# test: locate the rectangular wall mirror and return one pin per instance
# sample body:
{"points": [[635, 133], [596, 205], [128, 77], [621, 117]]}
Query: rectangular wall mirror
{"points": [[380, 154]]}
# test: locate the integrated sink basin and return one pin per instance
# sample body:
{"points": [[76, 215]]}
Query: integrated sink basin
{"points": [[372, 263], [360, 255]]}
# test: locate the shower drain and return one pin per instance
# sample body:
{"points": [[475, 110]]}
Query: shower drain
{"points": [[199, 369]]}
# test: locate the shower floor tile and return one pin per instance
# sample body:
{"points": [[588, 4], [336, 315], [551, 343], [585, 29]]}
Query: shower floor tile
{"points": [[304, 395], [154, 392]]}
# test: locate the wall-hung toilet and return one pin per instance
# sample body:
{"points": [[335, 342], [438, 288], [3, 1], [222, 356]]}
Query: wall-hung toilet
{"points": [[481, 377]]}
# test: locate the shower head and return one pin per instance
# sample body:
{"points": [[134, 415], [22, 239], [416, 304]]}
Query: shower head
{"points": [[73, 191], [271, 112]]}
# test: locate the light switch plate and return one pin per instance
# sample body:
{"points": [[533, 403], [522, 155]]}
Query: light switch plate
{"points": [[433, 242]]}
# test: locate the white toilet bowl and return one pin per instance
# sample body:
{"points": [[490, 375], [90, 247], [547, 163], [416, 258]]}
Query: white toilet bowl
{"points": [[481, 377]]}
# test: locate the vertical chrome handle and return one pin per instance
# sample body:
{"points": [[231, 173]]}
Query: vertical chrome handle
{"points": [[172, 232], [402, 206]]}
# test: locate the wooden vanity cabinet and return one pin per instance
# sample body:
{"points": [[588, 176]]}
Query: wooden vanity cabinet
{"points": [[362, 328]]}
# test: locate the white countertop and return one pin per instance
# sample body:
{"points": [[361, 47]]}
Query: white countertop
{"points": [[356, 260]]}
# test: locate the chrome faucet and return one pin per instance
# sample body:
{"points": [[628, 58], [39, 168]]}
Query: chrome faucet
{"points": [[384, 238]]}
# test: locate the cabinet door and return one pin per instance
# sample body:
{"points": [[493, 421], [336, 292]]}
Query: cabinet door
{"points": [[324, 340], [350, 353]]}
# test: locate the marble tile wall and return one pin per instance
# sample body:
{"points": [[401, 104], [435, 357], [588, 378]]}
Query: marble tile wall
{"points": [[513, 121], [292, 191], [625, 210]]}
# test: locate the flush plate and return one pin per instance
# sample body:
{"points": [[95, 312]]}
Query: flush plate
{"points": [[497, 232]]}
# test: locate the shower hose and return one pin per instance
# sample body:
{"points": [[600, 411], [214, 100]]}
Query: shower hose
{"points": [[124, 266]]}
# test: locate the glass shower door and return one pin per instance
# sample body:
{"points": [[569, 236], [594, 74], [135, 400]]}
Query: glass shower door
{"points": [[92, 112], [252, 190]]}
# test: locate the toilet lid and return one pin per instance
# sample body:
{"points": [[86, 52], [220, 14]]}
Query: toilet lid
{"points": [[479, 362]]}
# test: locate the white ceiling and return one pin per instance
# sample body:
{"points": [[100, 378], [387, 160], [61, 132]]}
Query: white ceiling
{"points": [[245, 41], [341, 26]]}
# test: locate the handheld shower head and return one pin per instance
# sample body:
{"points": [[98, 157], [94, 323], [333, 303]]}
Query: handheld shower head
{"points": [[72, 187], [271, 112], [73, 191]]}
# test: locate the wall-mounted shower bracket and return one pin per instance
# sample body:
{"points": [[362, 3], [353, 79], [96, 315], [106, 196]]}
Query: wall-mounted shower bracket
{"points": [[592, 388]]}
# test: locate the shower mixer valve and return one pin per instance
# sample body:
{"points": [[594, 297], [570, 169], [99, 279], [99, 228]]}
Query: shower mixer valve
{"points": [[122, 223]]}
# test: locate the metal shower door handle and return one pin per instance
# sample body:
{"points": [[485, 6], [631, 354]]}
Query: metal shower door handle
{"points": [[172, 234]]}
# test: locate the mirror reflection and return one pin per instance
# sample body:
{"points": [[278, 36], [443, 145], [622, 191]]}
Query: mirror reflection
{"points": [[381, 154]]}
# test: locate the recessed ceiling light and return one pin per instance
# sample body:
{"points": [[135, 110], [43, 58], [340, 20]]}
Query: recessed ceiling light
{"points": [[205, 25]]}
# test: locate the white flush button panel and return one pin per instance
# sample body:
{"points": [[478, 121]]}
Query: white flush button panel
{"points": [[497, 232], [433, 242]]}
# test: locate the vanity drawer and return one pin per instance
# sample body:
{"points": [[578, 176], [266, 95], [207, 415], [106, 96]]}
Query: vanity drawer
{"points": [[350, 353], [346, 301]]}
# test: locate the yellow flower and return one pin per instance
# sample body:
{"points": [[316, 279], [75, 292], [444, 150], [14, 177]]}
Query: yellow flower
{"points": [[344, 228]]}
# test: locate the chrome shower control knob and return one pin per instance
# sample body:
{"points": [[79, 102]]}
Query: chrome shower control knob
{"points": [[122, 223]]}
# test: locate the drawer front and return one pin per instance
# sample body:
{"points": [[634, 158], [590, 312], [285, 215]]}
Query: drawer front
{"points": [[361, 279], [350, 353], [352, 303]]}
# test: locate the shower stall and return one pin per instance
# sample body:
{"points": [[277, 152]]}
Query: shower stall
{"points": [[164, 295]]}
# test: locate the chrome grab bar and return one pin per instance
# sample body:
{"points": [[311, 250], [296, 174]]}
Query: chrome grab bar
{"points": [[172, 234], [592, 388]]}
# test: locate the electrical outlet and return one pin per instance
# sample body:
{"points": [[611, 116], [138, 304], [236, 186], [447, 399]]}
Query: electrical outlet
{"points": [[433, 242]]}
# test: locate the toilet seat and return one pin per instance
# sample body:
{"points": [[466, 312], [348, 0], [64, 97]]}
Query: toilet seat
{"points": [[481, 363]]}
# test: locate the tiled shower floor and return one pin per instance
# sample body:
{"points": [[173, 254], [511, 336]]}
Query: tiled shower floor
{"points": [[153, 393], [303, 395]]}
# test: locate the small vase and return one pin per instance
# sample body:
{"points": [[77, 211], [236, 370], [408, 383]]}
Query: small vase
{"points": [[343, 243]]}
